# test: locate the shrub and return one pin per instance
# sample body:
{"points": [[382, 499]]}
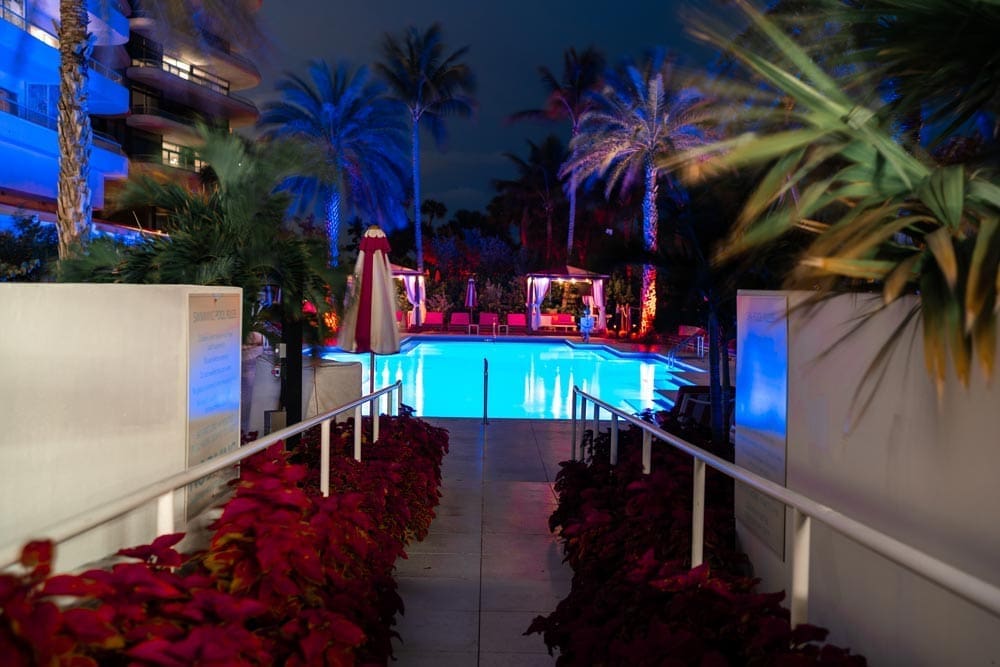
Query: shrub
{"points": [[634, 599]]}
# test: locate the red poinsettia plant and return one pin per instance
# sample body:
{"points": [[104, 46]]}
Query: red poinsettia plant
{"points": [[635, 599], [289, 577]]}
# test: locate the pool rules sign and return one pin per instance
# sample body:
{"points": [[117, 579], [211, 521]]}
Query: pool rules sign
{"points": [[214, 337]]}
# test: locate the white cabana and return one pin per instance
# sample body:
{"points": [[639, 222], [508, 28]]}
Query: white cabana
{"points": [[540, 281], [416, 293]]}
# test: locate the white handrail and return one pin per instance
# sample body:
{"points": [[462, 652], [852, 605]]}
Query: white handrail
{"points": [[981, 593], [163, 490]]}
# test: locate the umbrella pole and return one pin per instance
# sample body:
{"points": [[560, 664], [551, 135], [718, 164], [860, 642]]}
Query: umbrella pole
{"points": [[371, 373]]}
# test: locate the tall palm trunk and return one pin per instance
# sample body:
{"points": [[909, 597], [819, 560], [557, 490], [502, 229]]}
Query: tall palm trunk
{"points": [[572, 218], [418, 231], [73, 213], [651, 243], [333, 225], [524, 227], [549, 250]]}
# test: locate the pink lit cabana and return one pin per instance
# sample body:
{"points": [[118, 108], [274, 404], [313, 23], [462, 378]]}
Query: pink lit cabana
{"points": [[540, 281], [413, 283]]}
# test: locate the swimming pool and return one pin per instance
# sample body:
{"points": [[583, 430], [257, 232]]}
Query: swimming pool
{"points": [[527, 379]]}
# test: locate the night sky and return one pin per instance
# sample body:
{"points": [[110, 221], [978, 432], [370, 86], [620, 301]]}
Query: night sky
{"points": [[508, 42]]}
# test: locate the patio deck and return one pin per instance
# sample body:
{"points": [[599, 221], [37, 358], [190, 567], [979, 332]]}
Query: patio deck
{"points": [[489, 564]]}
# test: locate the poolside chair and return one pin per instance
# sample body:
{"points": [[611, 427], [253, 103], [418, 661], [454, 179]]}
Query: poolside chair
{"points": [[516, 322], [433, 319], [459, 321], [564, 322], [489, 322]]}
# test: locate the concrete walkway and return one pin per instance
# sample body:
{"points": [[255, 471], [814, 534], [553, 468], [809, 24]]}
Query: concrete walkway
{"points": [[489, 564]]}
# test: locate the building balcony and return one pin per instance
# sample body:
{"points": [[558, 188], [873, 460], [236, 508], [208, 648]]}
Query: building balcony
{"points": [[207, 52], [29, 155], [171, 165], [174, 128], [191, 87], [107, 23], [29, 53]]}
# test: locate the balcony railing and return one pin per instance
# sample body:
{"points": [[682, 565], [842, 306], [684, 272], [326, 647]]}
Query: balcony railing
{"points": [[39, 118], [153, 110], [46, 35], [172, 158]]}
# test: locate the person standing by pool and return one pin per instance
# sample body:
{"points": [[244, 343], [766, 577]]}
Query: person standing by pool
{"points": [[586, 325]]}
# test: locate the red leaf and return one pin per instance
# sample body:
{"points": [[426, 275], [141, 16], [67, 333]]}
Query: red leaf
{"points": [[90, 628], [75, 585], [37, 556], [159, 552]]}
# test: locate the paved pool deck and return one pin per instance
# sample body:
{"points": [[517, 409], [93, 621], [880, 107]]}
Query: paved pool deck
{"points": [[489, 564]]}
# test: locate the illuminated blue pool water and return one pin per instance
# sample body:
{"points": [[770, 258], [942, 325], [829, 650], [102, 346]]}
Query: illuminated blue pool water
{"points": [[527, 380]]}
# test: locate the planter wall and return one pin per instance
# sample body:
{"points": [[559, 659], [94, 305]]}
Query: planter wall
{"points": [[106, 389], [916, 469]]}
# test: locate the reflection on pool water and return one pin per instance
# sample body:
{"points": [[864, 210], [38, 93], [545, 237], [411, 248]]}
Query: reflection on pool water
{"points": [[527, 380]]}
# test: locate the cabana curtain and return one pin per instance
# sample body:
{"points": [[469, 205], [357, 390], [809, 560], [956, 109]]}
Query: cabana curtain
{"points": [[413, 283], [538, 287]]}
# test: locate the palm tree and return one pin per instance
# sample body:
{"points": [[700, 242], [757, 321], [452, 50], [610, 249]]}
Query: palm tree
{"points": [[642, 114], [347, 115], [568, 98], [879, 210], [432, 86], [433, 209], [227, 233], [73, 199], [536, 187]]}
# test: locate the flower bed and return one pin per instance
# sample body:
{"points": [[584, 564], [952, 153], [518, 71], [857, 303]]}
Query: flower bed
{"points": [[634, 599], [289, 577]]}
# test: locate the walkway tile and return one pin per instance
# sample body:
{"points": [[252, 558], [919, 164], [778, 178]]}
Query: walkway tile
{"points": [[503, 631], [489, 565], [519, 659]]}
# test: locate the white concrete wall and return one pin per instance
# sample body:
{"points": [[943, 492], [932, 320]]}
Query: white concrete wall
{"points": [[93, 405], [920, 471], [336, 384]]}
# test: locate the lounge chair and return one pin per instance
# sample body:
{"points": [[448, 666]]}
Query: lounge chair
{"points": [[459, 321], [433, 319], [564, 322], [516, 322], [489, 322]]}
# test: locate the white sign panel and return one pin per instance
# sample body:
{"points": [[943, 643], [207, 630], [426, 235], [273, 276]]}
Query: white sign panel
{"points": [[762, 411], [213, 389]]}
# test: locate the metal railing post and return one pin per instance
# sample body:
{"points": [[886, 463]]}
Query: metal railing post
{"points": [[597, 419], [614, 439], [324, 458], [357, 433], [486, 390], [399, 398], [647, 452], [799, 603], [375, 415], [698, 515], [583, 423], [572, 452], [165, 514]]}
